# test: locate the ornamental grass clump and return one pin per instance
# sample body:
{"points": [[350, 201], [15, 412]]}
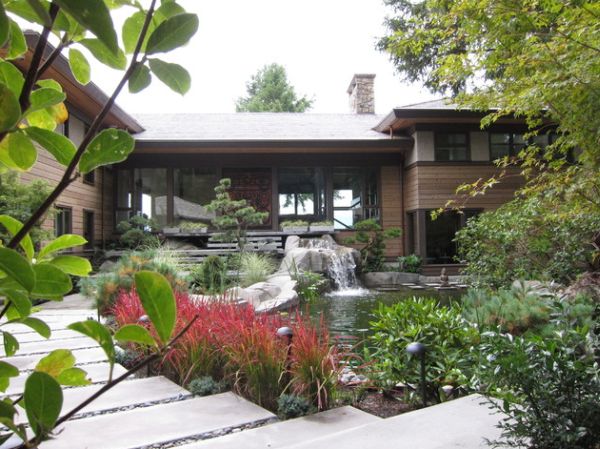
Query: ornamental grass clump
{"points": [[255, 267], [238, 347]]}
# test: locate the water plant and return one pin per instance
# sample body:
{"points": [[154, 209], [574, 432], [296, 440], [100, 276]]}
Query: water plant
{"points": [[409, 264]]}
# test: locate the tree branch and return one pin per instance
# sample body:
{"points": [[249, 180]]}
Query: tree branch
{"points": [[95, 126]]}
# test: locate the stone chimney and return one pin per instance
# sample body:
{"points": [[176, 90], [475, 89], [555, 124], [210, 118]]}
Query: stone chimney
{"points": [[362, 93]]}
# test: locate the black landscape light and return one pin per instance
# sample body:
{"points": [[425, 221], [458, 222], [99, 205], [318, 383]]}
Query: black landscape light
{"points": [[289, 334], [419, 349]]}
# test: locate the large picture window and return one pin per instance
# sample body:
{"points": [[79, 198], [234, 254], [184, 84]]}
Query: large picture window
{"points": [[439, 234], [193, 189], [301, 193], [151, 193], [355, 196], [451, 147]]}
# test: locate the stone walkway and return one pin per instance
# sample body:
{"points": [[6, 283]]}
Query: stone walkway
{"points": [[154, 412]]}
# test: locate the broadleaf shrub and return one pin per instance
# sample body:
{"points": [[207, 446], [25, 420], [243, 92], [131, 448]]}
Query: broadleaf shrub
{"points": [[291, 406], [447, 336]]}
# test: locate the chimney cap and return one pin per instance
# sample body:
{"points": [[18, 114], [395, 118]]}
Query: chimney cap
{"points": [[357, 76]]}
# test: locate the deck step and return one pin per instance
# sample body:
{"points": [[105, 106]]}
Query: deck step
{"points": [[63, 334], [160, 424], [44, 347], [284, 433], [462, 423]]}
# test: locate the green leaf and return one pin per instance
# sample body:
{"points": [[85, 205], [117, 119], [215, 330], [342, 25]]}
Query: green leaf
{"points": [[43, 402], [80, 67], [158, 301], [8, 370], [132, 333], [132, 28], [94, 16], [13, 226], [44, 98], [17, 45], [50, 282], [140, 79], [56, 144], [73, 377], [99, 333], [11, 77], [7, 410], [173, 75], [41, 11], [168, 10], [4, 26], [63, 242], [116, 60], [73, 265], [56, 362], [25, 10], [11, 345], [42, 119], [172, 33], [17, 152], [20, 301], [108, 147], [17, 268], [10, 110], [37, 325], [50, 84]]}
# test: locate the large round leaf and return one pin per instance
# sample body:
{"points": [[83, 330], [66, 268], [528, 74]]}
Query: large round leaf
{"points": [[173, 75], [172, 33], [108, 147], [17, 268], [50, 282], [10, 110], [43, 400], [17, 152], [56, 144], [158, 301]]}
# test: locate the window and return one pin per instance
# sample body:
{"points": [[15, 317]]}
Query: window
{"points": [[193, 189], [150, 194], [124, 195], [506, 144], [301, 193], [439, 235], [451, 147], [88, 228], [63, 221], [355, 196], [90, 178]]}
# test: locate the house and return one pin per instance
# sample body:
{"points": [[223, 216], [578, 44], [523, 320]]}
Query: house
{"points": [[342, 167]]}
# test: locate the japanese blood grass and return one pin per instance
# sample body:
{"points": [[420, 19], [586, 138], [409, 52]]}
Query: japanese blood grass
{"points": [[234, 344]]}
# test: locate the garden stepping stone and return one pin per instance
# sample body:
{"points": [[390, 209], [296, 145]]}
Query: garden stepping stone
{"points": [[160, 424], [63, 334], [288, 432], [130, 394], [44, 347], [97, 372], [82, 357], [461, 423]]}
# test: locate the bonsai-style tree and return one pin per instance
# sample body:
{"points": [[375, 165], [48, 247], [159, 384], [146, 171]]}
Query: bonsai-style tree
{"points": [[371, 236], [31, 107], [233, 216]]}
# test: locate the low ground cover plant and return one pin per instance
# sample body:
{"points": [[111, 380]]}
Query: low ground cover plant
{"points": [[238, 347]]}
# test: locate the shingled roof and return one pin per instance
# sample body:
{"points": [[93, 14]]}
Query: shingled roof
{"points": [[258, 126]]}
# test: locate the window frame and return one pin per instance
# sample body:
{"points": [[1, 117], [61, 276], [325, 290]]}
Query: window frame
{"points": [[467, 146], [68, 225], [91, 240], [367, 211]]}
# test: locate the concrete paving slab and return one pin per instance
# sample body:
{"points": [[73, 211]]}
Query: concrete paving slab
{"points": [[131, 393], [44, 347], [97, 372], [463, 423], [16, 329], [74, 301], [82, 356], [63, 334], [281, 434], [158, 424]]}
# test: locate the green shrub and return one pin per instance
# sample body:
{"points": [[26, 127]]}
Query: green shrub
{"points": [[210, 276], [192, 226], [255, 267], [447, 336], [549, 386], [528, 239], [204, 386], [127, 357], [291, 406], [137, 232], [371, 236], [309, 285], [410, 264], [294, 223]]}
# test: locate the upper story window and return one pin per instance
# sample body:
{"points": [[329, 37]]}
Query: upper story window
{"points": [[90, 177], [511, 144], [451, 147], [63, 221]]}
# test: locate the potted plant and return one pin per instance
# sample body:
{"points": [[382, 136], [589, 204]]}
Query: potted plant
{"points": [[294, 226], [170, 230], [193, 227], [322, 226]]}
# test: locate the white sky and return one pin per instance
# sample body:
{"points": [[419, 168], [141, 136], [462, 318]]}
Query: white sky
{"points": [[321, 43]]}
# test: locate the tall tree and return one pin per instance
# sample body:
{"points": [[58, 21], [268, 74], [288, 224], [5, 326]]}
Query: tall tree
{"points": [[537, 59], [270, 91]]}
